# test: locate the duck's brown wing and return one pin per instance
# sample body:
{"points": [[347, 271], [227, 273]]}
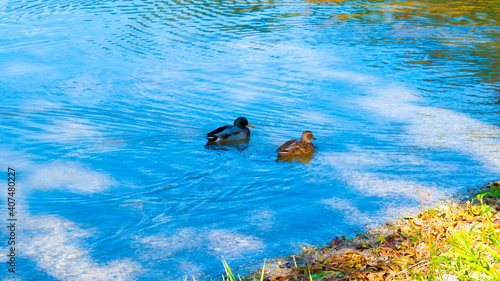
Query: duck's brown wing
{"points": [[288, 147], [305, 148]]}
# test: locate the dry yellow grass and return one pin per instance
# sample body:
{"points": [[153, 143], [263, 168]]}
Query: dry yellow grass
{"points": [[457, 240]]}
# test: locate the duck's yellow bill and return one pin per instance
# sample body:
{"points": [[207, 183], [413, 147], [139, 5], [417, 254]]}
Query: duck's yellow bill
{"points": [[250, 125]]}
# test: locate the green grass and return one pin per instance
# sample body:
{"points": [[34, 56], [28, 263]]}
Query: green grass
{"points": [[230, 276], [473, 253]]}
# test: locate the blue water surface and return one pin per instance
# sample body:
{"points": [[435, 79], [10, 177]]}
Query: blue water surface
{"points": [[106, 104]]}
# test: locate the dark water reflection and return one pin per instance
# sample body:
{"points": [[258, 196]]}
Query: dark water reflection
{"points": [[306, 158], [299, 159], [106, 105], [239, 145]]}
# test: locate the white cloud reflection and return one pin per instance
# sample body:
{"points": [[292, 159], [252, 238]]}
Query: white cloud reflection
{"points": [[57, 246], [68, 176]]}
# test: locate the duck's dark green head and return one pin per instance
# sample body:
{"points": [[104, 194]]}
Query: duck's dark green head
{"points": [[242, 122]]}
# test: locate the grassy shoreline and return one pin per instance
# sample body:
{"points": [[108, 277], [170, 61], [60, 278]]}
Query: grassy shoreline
{"points": [[456, 240]]}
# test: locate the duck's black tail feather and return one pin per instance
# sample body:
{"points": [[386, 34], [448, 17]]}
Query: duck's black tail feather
{"points": [[212, 137]]}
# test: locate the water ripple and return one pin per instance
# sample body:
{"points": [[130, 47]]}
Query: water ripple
{"points": [[106, 106]]}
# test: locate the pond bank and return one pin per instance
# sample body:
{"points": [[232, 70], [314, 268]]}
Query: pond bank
{"points": [[456, 240]]}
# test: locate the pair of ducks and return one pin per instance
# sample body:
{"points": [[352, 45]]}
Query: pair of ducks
{"points": [[240, 131]]}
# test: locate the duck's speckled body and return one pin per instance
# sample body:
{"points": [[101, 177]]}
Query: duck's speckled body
{"points": [[236, 132], [296, 147]]}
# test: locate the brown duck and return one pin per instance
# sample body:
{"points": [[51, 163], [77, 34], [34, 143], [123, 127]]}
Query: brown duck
{"points": [[296, 147]]}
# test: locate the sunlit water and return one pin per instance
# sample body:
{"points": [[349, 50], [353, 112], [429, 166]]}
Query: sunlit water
{"points": [[105, 106]]}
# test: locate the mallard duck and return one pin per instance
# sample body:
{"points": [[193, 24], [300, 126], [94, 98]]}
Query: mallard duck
{"points": [[238, 131], [296, 147]]}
